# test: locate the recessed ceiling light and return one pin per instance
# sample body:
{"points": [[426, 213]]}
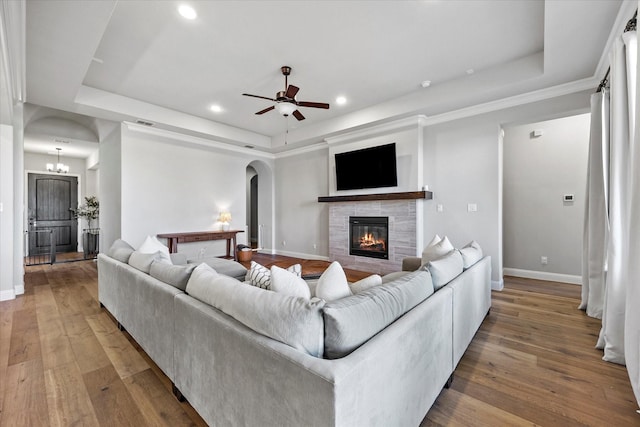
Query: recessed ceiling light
{"points": [[426, 83], [216, 108], [341, 100], [470, 71], [187, 11]]}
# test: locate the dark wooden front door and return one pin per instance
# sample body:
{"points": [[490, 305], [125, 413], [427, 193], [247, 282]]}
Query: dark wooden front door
{"points": [[51, 198]]}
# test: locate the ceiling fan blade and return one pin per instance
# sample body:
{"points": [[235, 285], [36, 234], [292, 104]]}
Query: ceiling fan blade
{"points": [[258, 96], [291, 91], [313, 104], [266, 110], [298, 115]]}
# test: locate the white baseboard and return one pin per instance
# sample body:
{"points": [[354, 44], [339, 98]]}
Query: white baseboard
{"points": [[19, 290], [7, 295], [497, 285], [543, 275], [301, 255]]}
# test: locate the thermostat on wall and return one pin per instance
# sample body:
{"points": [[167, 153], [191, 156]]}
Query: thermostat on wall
{"points": [[568, 197]]}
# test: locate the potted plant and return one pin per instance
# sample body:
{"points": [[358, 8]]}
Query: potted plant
{"points": [[90, 210]]}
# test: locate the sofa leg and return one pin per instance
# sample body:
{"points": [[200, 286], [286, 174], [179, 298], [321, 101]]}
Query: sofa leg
{"points": [[101, 305], [449, 382], [121, 328], [177, 393]]}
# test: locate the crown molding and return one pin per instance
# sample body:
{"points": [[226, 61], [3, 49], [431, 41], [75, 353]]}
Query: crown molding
{"points": [[303, 150], [194, 140], [516, 100], [379, 129]]}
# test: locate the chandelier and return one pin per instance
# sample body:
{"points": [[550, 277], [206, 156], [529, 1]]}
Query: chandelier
{"points": [[60, 167]]}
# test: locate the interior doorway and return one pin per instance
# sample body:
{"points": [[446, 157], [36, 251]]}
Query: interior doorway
{"points": [[50, 200]]}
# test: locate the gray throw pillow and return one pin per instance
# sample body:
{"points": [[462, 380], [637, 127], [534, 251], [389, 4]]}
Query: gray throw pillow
{"points": [[350, 322], [294, 321], [142, 261], [445, 269], [120, 250], [174, 275]]}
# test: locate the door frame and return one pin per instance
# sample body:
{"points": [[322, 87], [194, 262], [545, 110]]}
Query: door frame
{"points": [[25, 209]]}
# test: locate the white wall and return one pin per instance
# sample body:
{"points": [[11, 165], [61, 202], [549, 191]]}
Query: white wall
{"points": [[110, 189], [463, 165], [6, 213], [170, 185], [538, 171], [301, 221]]}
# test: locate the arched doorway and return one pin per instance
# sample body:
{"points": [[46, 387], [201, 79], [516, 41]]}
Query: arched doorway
{"points": [[260, 217]]}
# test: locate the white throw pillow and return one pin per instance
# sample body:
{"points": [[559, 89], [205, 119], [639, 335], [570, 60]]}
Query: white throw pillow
{"points": [[471, 254], [152, 245], [260, 276], [287, 283], [436, 250], [445, 269], [332, 284], [366, 283]]}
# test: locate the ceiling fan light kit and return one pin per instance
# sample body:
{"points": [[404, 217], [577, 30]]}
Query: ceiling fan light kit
{"points": [[285, 101]]}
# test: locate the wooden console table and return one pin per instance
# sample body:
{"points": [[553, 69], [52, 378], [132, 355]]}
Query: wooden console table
{"points": [[201, 236]]}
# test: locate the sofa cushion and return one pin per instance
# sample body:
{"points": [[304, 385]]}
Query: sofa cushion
{"points": [[260, 276], [332, 284], [142, 261], [394, 275], [351, 321], [178, 258], [227, 267], [174, 275], [366, 283], [436, 250], [152, 245], [294, 321], [445, 268], [120, 250], [288, 283], [471, 254]]}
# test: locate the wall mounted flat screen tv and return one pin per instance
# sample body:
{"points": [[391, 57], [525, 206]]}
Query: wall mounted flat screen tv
{"points": [[367, 168]]}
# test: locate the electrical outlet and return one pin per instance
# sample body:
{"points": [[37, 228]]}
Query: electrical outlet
{"points": [[284, 243], [544, 260], [472, 207], [315, 246], [439, 208], [202, 251]]}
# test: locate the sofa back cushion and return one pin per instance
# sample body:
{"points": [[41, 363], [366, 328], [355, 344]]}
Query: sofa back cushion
{"points": [[471, 254], [142, 262], [436, 250], [120, 250], [445, 269], [350, 322], [291, 320], [174, 275]]}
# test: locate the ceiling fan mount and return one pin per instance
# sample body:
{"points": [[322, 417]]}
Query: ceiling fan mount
{"points": [[285, 101]]}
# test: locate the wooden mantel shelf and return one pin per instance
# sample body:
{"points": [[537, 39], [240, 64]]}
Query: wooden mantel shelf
{"points": [[407, 195]]}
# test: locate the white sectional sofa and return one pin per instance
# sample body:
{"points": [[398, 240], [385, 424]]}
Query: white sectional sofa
{"points": [[246, 356]]}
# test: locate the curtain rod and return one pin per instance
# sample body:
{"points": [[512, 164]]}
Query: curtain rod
{"points": [[631, 26]]}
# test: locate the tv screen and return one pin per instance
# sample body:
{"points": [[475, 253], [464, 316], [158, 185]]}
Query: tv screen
{"points": [[367, 168]]}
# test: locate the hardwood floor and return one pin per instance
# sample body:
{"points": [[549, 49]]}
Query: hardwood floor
{"points": [[64, 362]]}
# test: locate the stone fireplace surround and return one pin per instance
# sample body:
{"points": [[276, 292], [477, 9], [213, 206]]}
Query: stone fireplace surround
{"points": [[402, 233]]}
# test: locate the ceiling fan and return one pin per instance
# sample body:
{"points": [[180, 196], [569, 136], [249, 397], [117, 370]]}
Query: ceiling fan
{"points": [[286, 102]]}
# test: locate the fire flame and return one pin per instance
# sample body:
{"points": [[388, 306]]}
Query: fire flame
{"points": [[368, 241]]}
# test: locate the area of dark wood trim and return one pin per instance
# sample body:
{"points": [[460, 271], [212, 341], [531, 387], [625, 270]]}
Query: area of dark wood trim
{"points": [[406, 195]]}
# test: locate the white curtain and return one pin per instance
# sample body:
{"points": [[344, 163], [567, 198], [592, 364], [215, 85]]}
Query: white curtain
{"points": [[615, 273], [596, 221], [632, 321]]}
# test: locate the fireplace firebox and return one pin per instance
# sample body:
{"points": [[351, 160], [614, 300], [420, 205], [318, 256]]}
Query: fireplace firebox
{"points": [[368, 236]]}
